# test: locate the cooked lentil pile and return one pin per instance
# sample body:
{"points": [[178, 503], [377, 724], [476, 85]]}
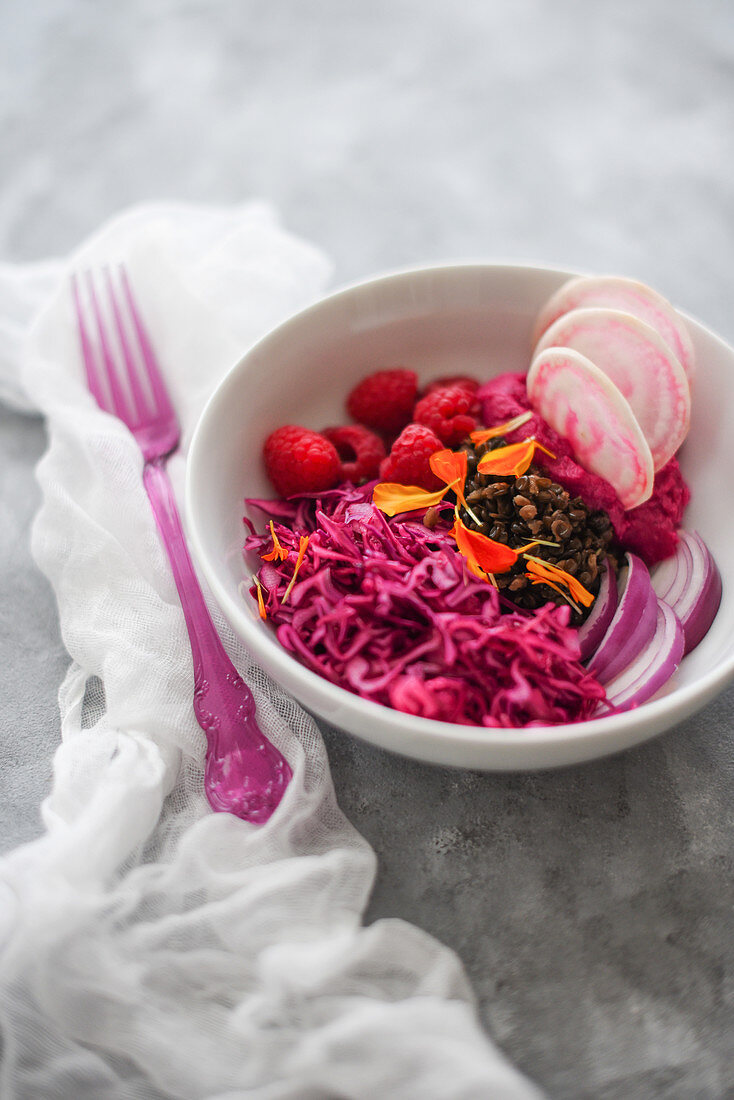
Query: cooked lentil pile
{"points": [[516, 510]]}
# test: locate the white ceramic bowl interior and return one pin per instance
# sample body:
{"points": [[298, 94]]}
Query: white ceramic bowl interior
{"points": [[473, 318]]}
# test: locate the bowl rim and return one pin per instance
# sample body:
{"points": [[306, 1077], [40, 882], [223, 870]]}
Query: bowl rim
{"points": [[682, 701]]}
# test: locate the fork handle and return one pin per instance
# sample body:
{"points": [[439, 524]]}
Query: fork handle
{"points": [[245, 773], [210, 658]]}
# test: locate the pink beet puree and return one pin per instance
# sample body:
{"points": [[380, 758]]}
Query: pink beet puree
{"points": [[648, 530]]}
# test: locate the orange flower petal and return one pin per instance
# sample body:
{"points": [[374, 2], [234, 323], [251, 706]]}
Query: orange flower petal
{"points": [[278, 550], [302, 544], [501, 429], [474, 568], [479, 550], [449, 466], [260, 600], [543, 571], [513, 459], [556, 588], [392, 498], [580, 593]]}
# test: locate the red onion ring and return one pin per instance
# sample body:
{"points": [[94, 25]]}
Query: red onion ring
{"points": [[633, 623], [671, 577], [594, 628], [690, 582], [654, 664]]}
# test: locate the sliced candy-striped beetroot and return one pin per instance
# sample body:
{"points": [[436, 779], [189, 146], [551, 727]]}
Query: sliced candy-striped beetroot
{"points": [[640, 364], [616, 292], [584, 406]]}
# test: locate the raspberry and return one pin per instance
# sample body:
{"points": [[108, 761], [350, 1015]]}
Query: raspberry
{"points": [[407, 463], [300, 461], [384, 400], [360, 451], [462, 380], [449, 413]]}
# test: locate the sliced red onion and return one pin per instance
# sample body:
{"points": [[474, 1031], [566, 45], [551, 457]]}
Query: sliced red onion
{"points": [[671, 578], [654, 664], [695, 593], [632, 625], [594, 628]]}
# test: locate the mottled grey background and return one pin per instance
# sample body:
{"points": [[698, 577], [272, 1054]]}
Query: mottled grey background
{"points": [[593, 907]]}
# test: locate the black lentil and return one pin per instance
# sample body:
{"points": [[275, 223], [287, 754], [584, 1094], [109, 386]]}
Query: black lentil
{"points": [[515, 511]]}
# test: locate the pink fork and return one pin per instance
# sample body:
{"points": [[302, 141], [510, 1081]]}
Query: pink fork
{"points": [[245, 774]]}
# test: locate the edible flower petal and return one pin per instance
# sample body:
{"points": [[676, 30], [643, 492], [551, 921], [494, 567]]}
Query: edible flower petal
{"points": [[482, 435], [543, 572], [481, 552], [392, 498], [260, 600], [449, 466], [302, 544], [514, 459], [278, 550]]}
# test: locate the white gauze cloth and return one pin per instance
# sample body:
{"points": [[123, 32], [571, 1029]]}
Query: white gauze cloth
{"points": [[149, 947]]}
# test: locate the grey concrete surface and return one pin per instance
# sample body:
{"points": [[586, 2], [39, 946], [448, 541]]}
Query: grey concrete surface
{"points": [[594, 906]]}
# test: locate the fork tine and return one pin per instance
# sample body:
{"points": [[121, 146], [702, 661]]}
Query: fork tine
{"points": [[138, 394], [119, 402], [158, 387], [94, 381]]}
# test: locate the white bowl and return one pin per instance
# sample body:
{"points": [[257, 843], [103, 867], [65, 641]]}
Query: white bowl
{"points": [[454, 319]]}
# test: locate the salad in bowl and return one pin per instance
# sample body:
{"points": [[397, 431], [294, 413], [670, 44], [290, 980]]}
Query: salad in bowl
{"points": [[471, 532]]}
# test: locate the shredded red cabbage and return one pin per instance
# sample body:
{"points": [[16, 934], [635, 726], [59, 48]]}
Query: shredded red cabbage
{"points": [[387, 609]]}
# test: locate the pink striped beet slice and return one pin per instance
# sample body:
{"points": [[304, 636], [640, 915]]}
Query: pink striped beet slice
{"points": [[581, 403], [641, 365], [617, 292]]}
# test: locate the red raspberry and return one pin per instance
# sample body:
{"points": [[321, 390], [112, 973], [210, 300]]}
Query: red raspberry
{"points": [[407, 463], [384, 400], [449, 413], [300, 461], [462, 380], [360, 451]]}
